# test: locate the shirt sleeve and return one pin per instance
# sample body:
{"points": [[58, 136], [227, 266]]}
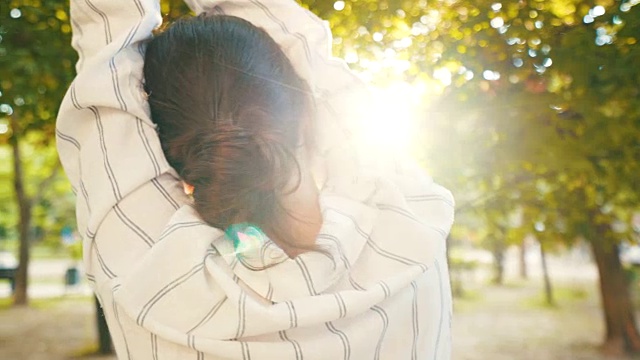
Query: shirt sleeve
{"points": [[106, 140]]}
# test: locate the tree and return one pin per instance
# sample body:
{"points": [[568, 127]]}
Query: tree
{"points": [[36, 65], [582, 140]]}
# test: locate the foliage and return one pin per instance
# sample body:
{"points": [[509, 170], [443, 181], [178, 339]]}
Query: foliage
{"points": [[36, 66], [527, 128], [36, 63]]}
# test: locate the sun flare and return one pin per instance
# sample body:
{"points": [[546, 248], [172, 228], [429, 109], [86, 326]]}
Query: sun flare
{"points": [[393, 116]]}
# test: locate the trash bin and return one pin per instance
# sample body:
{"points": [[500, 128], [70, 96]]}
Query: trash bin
{"points": [[72, 276]]}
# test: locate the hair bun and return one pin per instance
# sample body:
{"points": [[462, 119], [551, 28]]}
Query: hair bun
{"points": [[237, 174], [231, 111]]}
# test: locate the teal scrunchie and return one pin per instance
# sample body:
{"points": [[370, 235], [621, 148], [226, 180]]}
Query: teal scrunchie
{"points": [[245, 237]]}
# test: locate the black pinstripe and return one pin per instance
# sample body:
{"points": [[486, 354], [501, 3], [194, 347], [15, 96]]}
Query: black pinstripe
{"points": [[154, 346], [385, 324], [337, 117], [74, 97], [218, 10], [392, 256], [133, 227], [105, 21], [435, 353], [346, 346], [68, 139], [342, 307], [293, 317], [378, 249], [110, 274], [165, 193], [305, 42], [335, 240], [416, 326], [140, 8], [333, 62], [409, 215], [306, 275], [284, 28], [141, 49], [116, 84], [177, 226], [165, 290], [117, 316], [429, 198], [242, 301], [105, 157], [296, 346], [147, 146], [246, 354], [270, 292], [191, 341], [209, 315], [385, 289], [83, 189]]}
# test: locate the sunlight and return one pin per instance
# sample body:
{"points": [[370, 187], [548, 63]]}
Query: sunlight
{"points": [[392, 117]]}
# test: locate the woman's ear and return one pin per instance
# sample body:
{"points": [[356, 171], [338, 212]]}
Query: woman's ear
{"points": [[188, 189]]}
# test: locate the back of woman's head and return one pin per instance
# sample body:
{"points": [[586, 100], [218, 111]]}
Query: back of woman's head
{"points": [[231, 112]]}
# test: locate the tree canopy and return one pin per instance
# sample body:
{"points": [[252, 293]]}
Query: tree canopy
{"points": [[36, 67]]}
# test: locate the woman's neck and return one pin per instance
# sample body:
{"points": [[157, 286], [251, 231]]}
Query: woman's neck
{"points": [[303, 218]]}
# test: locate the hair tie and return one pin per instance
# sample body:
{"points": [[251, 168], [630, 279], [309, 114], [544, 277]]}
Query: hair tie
{"points": [[188, 189], [245, 237]]}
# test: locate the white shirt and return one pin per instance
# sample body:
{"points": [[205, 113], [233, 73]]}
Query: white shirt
{"points": [[173, 288]]}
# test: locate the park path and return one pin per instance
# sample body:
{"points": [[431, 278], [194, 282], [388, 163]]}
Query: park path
{"points": [[497, 323], [61, 330], [506, 323]]}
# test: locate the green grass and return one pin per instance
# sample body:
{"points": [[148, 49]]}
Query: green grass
{"points": [[44, 303], [562, 296], [38, 251], [49, 252], [5, 303], [515, 284], [469, 300], [87, 350], [48, 280]]}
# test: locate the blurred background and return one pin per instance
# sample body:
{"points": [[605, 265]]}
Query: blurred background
{"points": [[528, 110]]}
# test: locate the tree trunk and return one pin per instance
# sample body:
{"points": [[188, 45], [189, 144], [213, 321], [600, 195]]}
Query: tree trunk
{"points": [[455, 273], [24, 205], [548, 290], [621, 332], [104, 338], [498, 262], [523, 260]]}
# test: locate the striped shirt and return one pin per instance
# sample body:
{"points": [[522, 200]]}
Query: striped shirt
{"points": [[173, 288]]}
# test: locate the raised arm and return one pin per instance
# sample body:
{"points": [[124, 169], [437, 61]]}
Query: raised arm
{"points": [[106, 140], [305, 38]]}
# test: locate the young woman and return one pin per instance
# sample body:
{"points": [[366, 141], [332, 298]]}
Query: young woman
{"points": [[292, 246]]}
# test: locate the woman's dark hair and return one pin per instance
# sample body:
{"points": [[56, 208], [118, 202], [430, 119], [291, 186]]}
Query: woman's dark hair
{"points": [[231, 112]]}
